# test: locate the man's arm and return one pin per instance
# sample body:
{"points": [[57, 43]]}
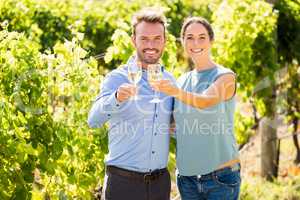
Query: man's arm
{"points": [[114, 92], [106, 103]]}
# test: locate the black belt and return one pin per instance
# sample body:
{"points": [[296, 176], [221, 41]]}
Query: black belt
{"points": [[141, 176]]}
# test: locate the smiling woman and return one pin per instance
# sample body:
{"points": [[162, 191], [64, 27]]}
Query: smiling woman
{"points": [[203, 113]]}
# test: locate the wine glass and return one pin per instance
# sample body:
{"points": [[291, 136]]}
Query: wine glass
{"points": [[135, 75], [154, 74]]}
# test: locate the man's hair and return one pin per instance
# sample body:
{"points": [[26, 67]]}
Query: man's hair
{"points": [[150, 15], [200, 20]]}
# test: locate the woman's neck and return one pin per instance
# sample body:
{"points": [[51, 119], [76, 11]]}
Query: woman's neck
{"points": [[204, 64]]}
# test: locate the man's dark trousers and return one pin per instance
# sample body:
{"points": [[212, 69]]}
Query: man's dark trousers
{"points": [[124, 184]]}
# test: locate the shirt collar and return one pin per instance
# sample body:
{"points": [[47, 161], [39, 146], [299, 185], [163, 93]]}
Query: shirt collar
{"points": [[132, 61]]}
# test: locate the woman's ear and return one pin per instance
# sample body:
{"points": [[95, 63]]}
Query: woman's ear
{"points": [[211, 43]]}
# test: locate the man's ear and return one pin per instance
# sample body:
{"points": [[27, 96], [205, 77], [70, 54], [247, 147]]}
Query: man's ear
{"points": [[133, 40]]}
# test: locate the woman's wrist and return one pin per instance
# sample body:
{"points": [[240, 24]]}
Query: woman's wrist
{"points": [[175, 92]]}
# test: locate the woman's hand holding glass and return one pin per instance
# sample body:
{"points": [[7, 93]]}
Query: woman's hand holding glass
{"points": [[165, 86], [154, 74]]}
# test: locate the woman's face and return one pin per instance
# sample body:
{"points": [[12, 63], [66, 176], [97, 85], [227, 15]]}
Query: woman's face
{"points": [[197, 43]]}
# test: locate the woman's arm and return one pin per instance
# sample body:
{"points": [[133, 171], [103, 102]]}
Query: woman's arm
{"points": [[221, 90]]}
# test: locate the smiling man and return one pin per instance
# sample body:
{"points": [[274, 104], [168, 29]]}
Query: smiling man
{"points": [[138, 130]]}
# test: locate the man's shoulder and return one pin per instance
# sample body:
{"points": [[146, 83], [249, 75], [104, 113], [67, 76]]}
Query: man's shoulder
{"points": [[169, 75], [118, 72]]}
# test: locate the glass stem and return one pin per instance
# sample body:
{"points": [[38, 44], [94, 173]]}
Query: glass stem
{"points": [[155, 94], [135, 96]]}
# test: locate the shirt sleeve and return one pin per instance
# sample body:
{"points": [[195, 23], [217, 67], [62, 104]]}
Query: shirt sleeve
{"points": [[173, 135], [106, 103], [173, 80]]}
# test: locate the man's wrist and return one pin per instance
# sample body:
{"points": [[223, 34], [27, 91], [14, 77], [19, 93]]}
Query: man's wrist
{"points": [[117, 100], [116, 95]]}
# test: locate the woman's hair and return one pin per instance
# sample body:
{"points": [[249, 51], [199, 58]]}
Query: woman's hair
{"points": [[190, 20]]}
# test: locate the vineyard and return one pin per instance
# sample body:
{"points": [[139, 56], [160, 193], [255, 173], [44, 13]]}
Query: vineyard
{"points": [[54, 55]]}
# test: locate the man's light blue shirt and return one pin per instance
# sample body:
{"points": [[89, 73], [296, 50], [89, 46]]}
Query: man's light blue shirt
{"points": [[138, 130]]}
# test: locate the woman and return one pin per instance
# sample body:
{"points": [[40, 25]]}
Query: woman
{"points": [[207, 154]]}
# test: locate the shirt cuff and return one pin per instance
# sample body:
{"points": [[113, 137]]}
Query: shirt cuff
{"points": [[113, 102]]}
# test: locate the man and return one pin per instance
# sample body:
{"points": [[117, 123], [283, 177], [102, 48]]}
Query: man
{"points": [[138, 130]]}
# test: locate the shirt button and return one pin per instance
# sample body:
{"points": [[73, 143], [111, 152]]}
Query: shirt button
{"points": [[155, 133], [153, 152], [108, 115], [155, 115]]}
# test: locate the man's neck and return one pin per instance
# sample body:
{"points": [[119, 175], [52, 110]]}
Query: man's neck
{"points": [[144, 65]]}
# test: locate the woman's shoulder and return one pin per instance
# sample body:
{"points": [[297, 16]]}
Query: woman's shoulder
{"points": [[224, 70], [184, 76]]}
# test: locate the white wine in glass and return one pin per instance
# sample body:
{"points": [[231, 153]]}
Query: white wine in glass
{"points": [[135, 75], [154, 74]]}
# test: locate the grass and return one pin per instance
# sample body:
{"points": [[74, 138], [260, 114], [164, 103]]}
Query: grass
{"points": [[255, 188]]}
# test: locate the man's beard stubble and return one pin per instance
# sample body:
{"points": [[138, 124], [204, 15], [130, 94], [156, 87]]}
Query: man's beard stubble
{"points": [[142, 58]]}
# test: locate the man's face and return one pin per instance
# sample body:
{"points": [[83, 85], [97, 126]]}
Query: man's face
{"points": [[149, 41]]}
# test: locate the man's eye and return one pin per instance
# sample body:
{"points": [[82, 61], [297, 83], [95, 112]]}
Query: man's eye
{"points": [[189, 38]]}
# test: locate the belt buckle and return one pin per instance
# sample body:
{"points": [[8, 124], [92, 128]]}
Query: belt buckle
{"points": [[149, 177]]}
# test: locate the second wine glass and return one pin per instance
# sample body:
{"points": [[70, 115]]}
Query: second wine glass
{"points": [[154, 74]]}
